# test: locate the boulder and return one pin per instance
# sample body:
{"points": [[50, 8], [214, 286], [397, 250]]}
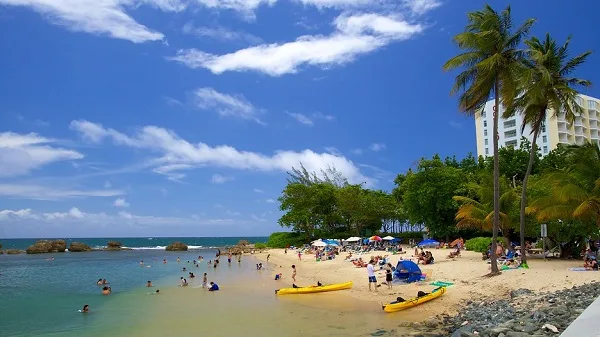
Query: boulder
{"points": [[40, 247], [59, 246], [79, 247], [114, 245], [177, 246], [243, 243], [13, 251]]}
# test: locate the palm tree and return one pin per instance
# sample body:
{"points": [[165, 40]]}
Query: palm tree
{"points": [[546, 85], [491, 61], [575, 192], [478, 212]]}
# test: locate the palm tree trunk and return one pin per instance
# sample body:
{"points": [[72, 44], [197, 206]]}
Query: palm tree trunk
{"points": [[532, 153], [496, 223]]}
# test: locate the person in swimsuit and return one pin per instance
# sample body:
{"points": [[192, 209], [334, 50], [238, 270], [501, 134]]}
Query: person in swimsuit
{"points": [[106, 291], [86, 308], [149, 284], [204, 280], [99, 282], [388, 275], [229, 258], [294, 273]]}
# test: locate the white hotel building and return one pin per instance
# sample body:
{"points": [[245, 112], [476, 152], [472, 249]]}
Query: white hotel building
{"points": [[585, 128]]}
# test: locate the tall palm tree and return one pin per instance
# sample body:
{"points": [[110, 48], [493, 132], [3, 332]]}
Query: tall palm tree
{"points": [[546, 85], [575, 192], [490, 62]]}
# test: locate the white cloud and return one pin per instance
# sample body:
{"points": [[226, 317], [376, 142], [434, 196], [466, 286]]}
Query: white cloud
{"points": [[8, 214], [22, 153], [420, 7], [221, 33], [257, 190], [38, 192], [338, 3], [226, 105], [376, 147], [319, 115], [271, 201], [357, 151], [120, 202], [103, 17], [170, 171], [333, 150], [220, 179], [258, 218], [354, 35], [175, 150], [245, 7], [301, 118]]}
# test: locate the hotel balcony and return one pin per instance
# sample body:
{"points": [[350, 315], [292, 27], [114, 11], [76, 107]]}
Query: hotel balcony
{"points": [[579, 140], [593, 115], [578, 122]]}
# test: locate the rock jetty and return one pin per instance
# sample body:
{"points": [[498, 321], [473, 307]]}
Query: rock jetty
{"points": [[79, 247], [47, 246]]}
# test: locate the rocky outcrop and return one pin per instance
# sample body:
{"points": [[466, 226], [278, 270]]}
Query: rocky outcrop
{"points": [[114, 245], [40, 247], [79, 247], [13, 251], [59, 246], [177, 246]]}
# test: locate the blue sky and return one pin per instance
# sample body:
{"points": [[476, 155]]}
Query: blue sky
{"points": [[181, 117]]}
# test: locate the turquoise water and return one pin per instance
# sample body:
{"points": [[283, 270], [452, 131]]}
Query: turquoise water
{"points": [[146, 243]]}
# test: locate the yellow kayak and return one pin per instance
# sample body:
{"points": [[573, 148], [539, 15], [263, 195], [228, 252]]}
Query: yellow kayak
{"points": [[413, 302], [314, 289]]}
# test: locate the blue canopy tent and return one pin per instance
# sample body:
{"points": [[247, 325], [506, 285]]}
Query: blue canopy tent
{"points": [[428, 243], [407, 271]]}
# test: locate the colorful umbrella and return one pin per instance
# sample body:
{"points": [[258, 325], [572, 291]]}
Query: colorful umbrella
{"points": [[389, 238], [374, 238]]}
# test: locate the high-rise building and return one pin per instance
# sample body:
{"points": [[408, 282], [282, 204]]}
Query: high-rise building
{"points": [[556, 130]]}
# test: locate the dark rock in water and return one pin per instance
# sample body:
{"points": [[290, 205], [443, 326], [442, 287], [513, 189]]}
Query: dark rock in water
{"points": [[13, 251], [114, 245], [59, 246], [79, 247], [177, 246], [520, 292]]}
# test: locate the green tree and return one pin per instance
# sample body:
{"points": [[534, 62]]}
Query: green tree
{"points": [[490, 62], [555, 160], [546, 85], [427, 195]]}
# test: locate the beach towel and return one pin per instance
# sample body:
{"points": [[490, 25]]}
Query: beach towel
{"points": [[441, 284], [579, 269]]}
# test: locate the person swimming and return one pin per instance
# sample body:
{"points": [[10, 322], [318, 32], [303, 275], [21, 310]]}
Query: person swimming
{"points": [[99, 282], [183, 269], [141, 263], [178, 259], [86, 308], [164, 261], [183, 282], [213, 287], [149, 284], [192, 275], [106, 291]]}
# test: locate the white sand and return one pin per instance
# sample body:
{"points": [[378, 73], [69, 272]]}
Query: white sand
{"points": [[466, 272]]}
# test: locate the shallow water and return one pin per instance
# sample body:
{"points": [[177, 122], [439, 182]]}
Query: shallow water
{"points": [[41, 298]]}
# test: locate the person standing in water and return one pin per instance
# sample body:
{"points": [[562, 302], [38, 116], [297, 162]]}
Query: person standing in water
{"points": [[229, 257], [204, 280], [86, 308], [294, 273], [149, 284]]}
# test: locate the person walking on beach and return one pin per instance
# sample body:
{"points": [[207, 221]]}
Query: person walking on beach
{"points": [[294, 273], [371, 274], [204, 280], [388, 275], [229, 258], [299, 256], [268, 256]]}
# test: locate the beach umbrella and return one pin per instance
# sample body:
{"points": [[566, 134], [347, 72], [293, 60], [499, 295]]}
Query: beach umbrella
{"points": [[353, 239], [428, 242], [319, 243], [455, 242], [388, 238], [374, 238]]}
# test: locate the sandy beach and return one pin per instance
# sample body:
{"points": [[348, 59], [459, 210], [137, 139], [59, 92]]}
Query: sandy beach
{"points": [[466, 272]]}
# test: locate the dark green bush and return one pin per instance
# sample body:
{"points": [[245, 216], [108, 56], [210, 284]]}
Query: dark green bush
{"points": [[285, 239], [260, 245], [479, 244]]}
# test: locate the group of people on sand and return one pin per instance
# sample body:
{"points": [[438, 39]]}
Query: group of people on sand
{"points": [[425, 257], [590, 259]]}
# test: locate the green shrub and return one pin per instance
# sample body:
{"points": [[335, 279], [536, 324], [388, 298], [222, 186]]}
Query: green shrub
{"points": [[479, 244], [285, 239], [260, 245]]}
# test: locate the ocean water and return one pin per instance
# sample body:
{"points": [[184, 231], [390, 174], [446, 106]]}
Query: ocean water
{"points": [[140, 243], [40, 297]]}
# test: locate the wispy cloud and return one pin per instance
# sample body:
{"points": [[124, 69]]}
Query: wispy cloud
{"points": [[310, 121], [172, 101], [39, 192], [120, 202], [175, 150], [377, 147], [102, 17], [420, 7], [22, 153], [257, 190], [271, 201], [220, 179], [354, 35], [357, 151], [221, 33], [173, 171], [227, 105]]}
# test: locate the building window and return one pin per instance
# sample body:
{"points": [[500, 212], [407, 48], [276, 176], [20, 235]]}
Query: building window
{"points": [[483, 114], [486, 141], [487, 151], [592, 105], [511, 133], [544, 139], [485, 124], [510, 123], [545, 149], [579, 101], [543, 127], [485, 133], [512, 143]]}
